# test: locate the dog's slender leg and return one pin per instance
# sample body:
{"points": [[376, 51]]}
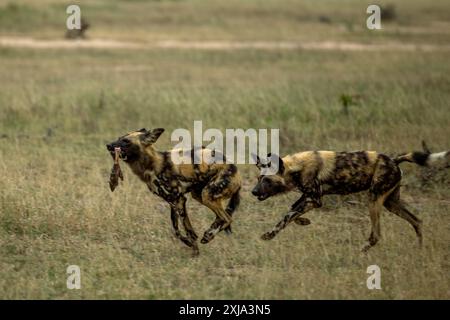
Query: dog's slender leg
{"points": [[220, 213], [190, 232], [174, 217], [301, 207], [226, 217], [375, 234], [221, 188], [214, 229], [313, 189], [191, 235], [375, 205], [187, 223], [385, 182], [298, 206], [395, 205], [222, 220]]}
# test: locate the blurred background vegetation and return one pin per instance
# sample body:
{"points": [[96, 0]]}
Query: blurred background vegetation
{"points": [[146, 20]]}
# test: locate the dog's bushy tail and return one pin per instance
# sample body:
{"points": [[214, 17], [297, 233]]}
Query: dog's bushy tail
{"points": [[233, 204], [426, 159], [418, 157]]}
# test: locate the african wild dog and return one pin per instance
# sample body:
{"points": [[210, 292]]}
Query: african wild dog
{"points": [[210, 184], [319, 173]]}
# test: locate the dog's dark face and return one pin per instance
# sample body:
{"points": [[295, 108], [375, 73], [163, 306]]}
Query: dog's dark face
{"points": [[269, 185], [133, 144]]}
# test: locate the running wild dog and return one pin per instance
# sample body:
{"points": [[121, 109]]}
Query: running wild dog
{"points": [[319, 173], [210, 184]]}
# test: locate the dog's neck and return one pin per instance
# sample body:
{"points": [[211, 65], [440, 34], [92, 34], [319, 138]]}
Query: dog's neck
{"points": [[150, 160], [291, 182]]}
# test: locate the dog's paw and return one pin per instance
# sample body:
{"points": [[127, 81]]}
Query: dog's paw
{"points": [[228, 230], [192, 235], [302, 221], [207, 237], [186, 241], [195, 252], [268, 235]]}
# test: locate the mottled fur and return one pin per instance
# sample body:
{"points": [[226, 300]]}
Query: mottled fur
{"points": [[319, 173], [210, 184]]}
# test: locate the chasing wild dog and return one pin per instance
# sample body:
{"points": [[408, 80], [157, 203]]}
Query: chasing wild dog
{"points": [[210, 184], [319, 173]]}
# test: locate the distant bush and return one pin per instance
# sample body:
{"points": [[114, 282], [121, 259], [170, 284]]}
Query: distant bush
{"points": [[348, 100], [325, 19]]}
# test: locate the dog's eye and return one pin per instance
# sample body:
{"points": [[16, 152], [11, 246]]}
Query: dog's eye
{"points": [[126, 141]]}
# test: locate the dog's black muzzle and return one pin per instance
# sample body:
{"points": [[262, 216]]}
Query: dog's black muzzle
{"points": [[259, 195]]}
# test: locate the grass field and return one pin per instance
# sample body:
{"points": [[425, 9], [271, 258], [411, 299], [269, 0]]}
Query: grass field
{"points": [[60, 107]]}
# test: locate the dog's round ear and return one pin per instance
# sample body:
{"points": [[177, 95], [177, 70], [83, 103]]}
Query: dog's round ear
{"points": [[150, 137], [425, 147], [257, 160], [276, 163]]}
